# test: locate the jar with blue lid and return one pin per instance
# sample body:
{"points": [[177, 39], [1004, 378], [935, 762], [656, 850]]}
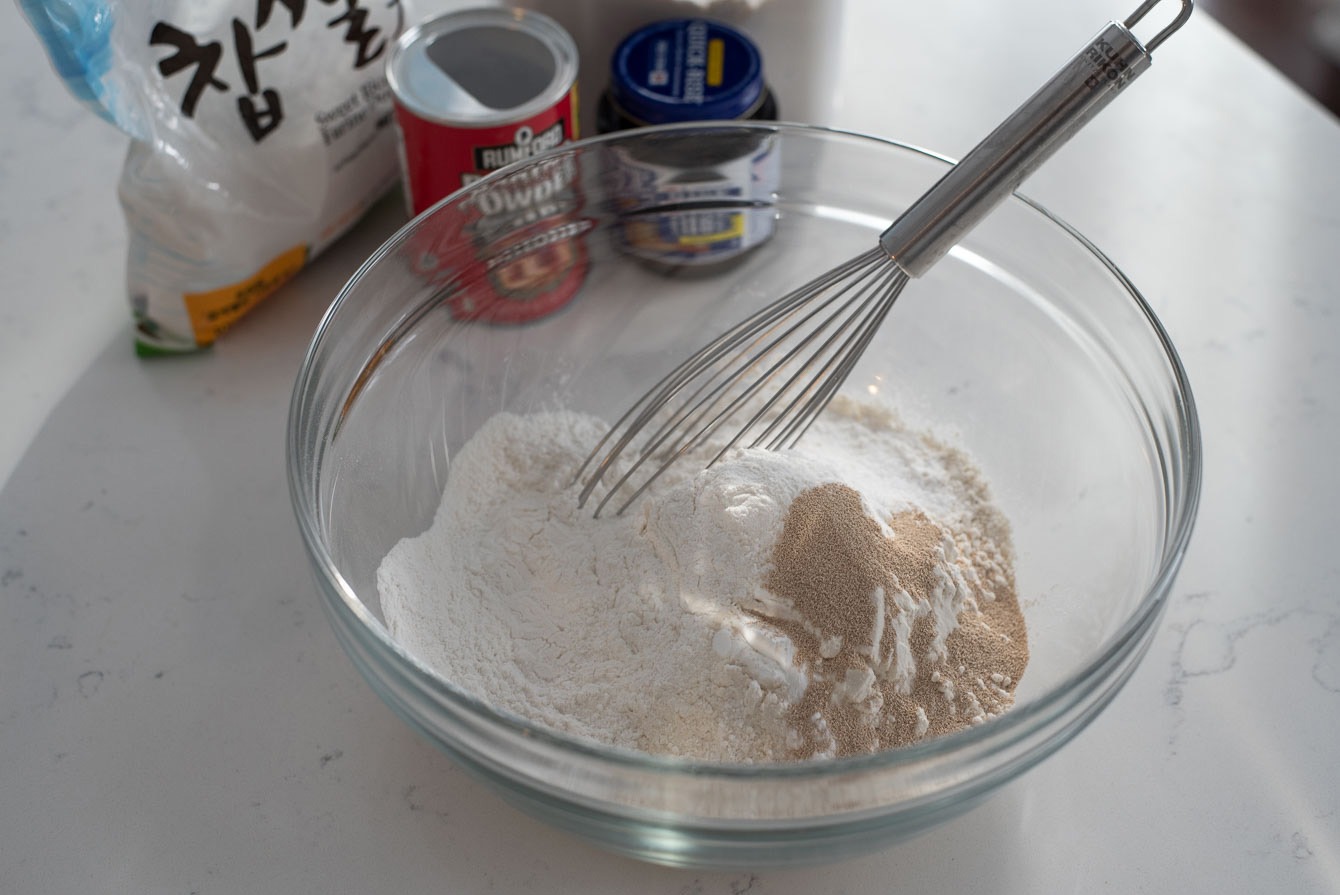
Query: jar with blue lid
{"points": [[685, 70], [686, 201]]}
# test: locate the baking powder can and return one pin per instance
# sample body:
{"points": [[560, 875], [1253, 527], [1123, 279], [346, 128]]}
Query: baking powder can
{"points": [[475, 90], [511, 249]]}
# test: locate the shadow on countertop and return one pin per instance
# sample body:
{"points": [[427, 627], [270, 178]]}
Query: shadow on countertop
{"points": [[1300, 38]]}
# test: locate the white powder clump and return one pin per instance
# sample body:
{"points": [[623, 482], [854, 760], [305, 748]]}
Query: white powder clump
{"points": [[654, 631]]}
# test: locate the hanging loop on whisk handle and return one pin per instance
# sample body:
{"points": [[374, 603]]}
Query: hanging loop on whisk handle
{"points": [[1008, 155], [1153, 43]]}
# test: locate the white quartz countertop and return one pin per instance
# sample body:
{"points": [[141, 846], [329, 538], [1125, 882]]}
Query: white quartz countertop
{"points": [[176, 717]]}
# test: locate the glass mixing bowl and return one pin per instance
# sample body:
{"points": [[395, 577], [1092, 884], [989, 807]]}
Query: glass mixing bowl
{"points": [[575, 280]]}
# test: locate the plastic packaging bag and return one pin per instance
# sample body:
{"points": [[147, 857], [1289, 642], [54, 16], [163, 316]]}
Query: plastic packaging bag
{"points": [[260, 131]]}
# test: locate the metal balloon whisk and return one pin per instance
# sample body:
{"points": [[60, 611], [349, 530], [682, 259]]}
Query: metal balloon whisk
{"points": [[784, 364]]}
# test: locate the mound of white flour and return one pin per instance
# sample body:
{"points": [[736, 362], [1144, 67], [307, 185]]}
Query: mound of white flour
{"points": [[647, 631]]}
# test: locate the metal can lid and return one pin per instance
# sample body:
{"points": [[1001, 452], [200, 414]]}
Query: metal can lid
{"points": [[686, 70], [482, 66]]}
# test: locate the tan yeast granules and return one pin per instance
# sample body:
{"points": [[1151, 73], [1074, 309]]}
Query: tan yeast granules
{"points": [[885, 667]]}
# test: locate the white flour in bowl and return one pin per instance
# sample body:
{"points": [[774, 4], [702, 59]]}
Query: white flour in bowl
{"points": [[853, 594]]}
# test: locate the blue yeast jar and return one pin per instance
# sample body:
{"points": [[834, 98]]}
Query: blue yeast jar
{"points": [[686, 202], [685, 70]]}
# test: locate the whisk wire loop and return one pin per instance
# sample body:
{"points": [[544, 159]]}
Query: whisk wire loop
{"points": [[796, 424], [867, 299], [646, 407], [723, 375], [715, 368], [861, 294], [724, 368]]}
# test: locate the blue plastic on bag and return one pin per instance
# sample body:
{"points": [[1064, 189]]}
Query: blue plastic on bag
{"points": [[78, 41], [260, 131]]}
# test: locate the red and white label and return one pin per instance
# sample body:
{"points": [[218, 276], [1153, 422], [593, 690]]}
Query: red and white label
{"points": [[439, 159]]}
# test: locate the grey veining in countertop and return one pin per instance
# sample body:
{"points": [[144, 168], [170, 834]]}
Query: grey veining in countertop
{"points": [[175, 715]]}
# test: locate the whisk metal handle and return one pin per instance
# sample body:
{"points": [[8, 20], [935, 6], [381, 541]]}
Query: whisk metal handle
{"points": [[999, 163]]}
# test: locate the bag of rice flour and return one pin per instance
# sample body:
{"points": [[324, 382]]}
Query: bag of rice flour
{"points": [[260, 131]]}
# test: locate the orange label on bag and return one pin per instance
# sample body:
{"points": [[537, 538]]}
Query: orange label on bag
{"points": [[214, 311]]}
